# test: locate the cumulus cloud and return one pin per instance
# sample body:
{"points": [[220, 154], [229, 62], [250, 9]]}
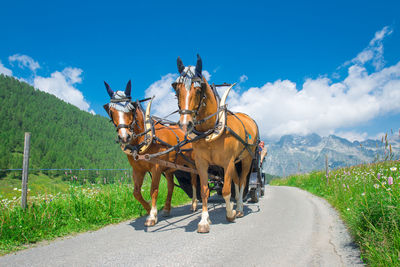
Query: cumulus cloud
{"points": [[165, 101], [4, 70], [24, 61], [322, 106], [318, 105], [62, 84]]}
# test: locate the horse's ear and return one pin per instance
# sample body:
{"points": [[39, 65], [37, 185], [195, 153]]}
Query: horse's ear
{"points": [[107, 108], [128, 89], [174, 85], [199, 66], [180, 65], [109, 90]]}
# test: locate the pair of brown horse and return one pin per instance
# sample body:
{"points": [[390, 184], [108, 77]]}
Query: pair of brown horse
{"points": [[200, 113]]}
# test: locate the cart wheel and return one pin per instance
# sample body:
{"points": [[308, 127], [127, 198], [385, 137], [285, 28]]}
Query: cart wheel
{"points": [[255, 194], [262, 185]]}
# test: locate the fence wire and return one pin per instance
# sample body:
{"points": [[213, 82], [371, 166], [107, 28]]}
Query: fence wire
{"points": [[77, 176]]}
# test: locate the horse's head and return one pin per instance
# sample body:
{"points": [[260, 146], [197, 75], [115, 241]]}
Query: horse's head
{"points": [[122, 112], [190, 89]]}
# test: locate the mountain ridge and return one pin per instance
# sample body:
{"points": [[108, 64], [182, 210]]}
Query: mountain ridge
{"points": [[299, 154]]}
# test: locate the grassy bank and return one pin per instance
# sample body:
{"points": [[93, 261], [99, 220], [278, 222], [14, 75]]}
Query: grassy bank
{"points": [[80, 208], [368, 200]]}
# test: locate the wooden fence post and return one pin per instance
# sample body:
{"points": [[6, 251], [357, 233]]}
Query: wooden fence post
{"points": [[25, 170], [326, 169]]}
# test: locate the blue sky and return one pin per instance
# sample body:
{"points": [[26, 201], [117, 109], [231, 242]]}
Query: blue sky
{"points": [[68, 48]]}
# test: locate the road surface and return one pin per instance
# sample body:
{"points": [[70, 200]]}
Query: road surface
{"points": [[288, 227]]}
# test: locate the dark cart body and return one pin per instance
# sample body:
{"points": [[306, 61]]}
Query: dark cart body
{"points": [[254, 185]]}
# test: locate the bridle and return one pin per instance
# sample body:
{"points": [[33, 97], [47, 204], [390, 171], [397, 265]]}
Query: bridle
{"points": [[128, 107], [198, 82]]}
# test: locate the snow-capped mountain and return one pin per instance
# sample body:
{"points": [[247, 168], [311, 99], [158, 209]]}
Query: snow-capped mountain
{"points": [[300, 154]]}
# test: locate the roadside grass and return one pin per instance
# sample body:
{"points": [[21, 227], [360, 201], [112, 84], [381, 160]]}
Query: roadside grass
{"points": [[39, 183], [77, 209], [368, 200]]}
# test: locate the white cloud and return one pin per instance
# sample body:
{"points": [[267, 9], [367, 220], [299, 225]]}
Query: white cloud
{"points": [[321, 106], [243, 78], [374, 51], [62, 85], [4, 70], [24, 61], [165, 101], [206, 75], [353, 136], [318, 105]]}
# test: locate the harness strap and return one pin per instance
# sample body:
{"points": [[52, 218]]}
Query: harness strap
{"points": [[210, 116], [120, 126], [245, 144], [186, 111], [141, 134]]}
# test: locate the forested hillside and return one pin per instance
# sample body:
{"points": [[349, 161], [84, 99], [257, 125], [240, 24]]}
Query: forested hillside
{"points": [[62, 135]]}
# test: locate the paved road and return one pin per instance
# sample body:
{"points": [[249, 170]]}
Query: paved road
{"points": [[289, 227]]}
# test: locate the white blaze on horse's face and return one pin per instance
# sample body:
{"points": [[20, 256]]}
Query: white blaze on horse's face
{"points": [[124, 119], [187, 92], [122, 132]]}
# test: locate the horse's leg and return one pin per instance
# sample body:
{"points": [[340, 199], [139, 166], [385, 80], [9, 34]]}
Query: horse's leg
{"points": [[155, 182], [194, 187], [204, 224], [236, 182], [138, 177], [230, 172], [246, 165], [170, 180]]}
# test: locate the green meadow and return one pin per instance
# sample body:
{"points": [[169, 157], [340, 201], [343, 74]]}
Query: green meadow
{"points": [[367, 198], [58, 207]]}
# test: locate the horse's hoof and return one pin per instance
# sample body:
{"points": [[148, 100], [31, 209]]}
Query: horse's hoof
{"points": [[231, 219], [193, 209], [166, 213], [150, 222], [239, 214], [203, 228]]}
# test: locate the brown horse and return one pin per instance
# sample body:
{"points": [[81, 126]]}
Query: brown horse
{"points": [[235, 142], [129, 119]]}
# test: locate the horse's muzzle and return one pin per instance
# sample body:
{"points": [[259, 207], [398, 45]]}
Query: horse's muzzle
{"points": [[125, 139], [186, 127]]}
